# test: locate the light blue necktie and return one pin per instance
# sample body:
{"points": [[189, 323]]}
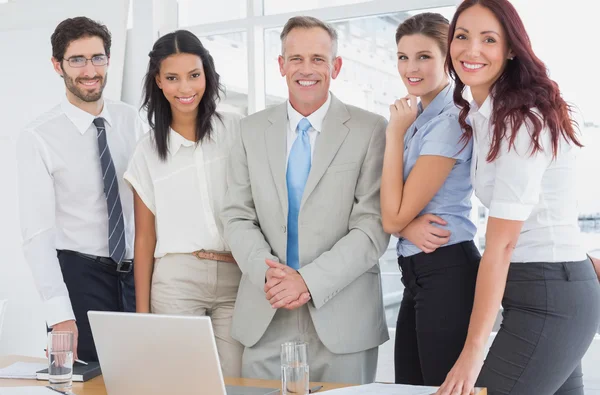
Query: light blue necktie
{"points": [[297, 174]]}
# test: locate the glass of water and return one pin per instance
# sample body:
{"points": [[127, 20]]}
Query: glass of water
{"points": [[294, 368], [60, 361]]}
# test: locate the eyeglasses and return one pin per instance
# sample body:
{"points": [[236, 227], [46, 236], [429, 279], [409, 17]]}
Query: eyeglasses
{"points": [[81, 61]]}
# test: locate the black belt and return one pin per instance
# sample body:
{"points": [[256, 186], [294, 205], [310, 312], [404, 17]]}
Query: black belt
{"points": [[125, 266]]}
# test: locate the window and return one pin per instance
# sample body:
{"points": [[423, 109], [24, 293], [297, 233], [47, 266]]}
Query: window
{"points": [[279, 6], [230, 54], [194, 12]]}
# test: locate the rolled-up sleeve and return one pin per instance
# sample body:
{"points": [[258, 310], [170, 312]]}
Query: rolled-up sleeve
{"points": [[442, 137], [519, 176]]}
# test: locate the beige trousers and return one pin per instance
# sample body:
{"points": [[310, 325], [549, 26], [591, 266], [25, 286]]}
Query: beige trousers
{"points": [[263, 360], [185, 285]]}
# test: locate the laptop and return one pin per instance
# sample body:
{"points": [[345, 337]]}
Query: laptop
{"points": [[152, 354]]}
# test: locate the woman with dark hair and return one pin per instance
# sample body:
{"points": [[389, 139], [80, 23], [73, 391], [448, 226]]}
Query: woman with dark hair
{"points": [[524, 171], [178, 175], [429, 210]]}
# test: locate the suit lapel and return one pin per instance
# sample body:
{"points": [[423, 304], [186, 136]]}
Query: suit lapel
{"points": [[276, 142], [327, 145]]}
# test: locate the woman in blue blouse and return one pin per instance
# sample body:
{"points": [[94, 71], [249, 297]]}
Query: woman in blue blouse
{"points": [[426, 201]]}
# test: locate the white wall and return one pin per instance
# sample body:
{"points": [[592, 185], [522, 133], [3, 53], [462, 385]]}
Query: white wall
{"points": [[30, 87]]}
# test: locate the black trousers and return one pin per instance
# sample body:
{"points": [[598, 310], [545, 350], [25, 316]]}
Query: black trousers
{"points": [[435, 312], [94, 286], [551, 314]]}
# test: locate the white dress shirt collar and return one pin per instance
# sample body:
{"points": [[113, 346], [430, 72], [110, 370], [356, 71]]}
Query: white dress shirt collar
{"points": [[485, 110], [315, 119], [176, 141], [82, 119]]}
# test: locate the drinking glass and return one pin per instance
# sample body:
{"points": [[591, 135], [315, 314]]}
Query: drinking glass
{"points": [[60, 361], [294, 368]]}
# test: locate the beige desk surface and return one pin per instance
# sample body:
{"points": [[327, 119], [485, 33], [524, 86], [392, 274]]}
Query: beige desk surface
{"points": [[96, 385]]}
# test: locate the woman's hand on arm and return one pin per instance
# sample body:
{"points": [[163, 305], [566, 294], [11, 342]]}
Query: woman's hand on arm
{"points": [[423, 234], [145, 244]]}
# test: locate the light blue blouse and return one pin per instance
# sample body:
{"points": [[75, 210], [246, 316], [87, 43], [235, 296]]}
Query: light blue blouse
{"points": [[436, 131]]}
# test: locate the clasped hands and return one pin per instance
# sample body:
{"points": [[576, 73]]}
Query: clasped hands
{"points": [[285, 287]]}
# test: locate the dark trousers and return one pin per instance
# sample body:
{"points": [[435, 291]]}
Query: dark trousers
{"points": [[94, 286], [434, 313], [551, 314]]}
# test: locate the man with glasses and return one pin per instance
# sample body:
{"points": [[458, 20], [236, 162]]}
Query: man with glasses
{"points": [[76, 212]]}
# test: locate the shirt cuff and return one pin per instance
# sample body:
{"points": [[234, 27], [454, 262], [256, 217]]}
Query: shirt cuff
{"points": [[510, 210], [58, 309]]}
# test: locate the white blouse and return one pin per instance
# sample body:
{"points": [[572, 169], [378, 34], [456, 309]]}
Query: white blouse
{"points": [[185, 192], [538, 190]]}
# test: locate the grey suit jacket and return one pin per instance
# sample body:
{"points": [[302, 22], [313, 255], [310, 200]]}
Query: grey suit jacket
{"points": [[340, 233]]}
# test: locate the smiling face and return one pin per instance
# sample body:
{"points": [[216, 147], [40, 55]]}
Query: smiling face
{"points": [[479, 50], [421, 66], [308, 66], [84, 84], [183, 82]]}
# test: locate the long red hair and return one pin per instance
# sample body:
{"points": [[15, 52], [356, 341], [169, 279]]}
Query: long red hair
{"points": [[523, 86]]}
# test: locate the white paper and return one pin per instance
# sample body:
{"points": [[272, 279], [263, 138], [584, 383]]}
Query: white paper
{"points": [[27, 391], [385, 389], [22, 370]]}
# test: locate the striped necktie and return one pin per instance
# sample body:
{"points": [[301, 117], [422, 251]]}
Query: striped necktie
{"points": [[116, 227]]}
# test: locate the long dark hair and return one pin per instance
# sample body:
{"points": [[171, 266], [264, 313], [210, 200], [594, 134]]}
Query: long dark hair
{"points": [[157, 105], [523, 85]]}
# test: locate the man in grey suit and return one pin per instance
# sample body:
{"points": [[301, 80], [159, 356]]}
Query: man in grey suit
{"points": [[302, 218]]}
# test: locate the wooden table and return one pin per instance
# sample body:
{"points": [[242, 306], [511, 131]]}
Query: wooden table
{"points": [[95, 386]]}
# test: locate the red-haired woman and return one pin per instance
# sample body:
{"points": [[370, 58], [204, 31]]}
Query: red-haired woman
{"points": [[523, 170]]}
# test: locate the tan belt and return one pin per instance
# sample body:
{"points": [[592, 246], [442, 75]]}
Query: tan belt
{"points": [[222, 256]]}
